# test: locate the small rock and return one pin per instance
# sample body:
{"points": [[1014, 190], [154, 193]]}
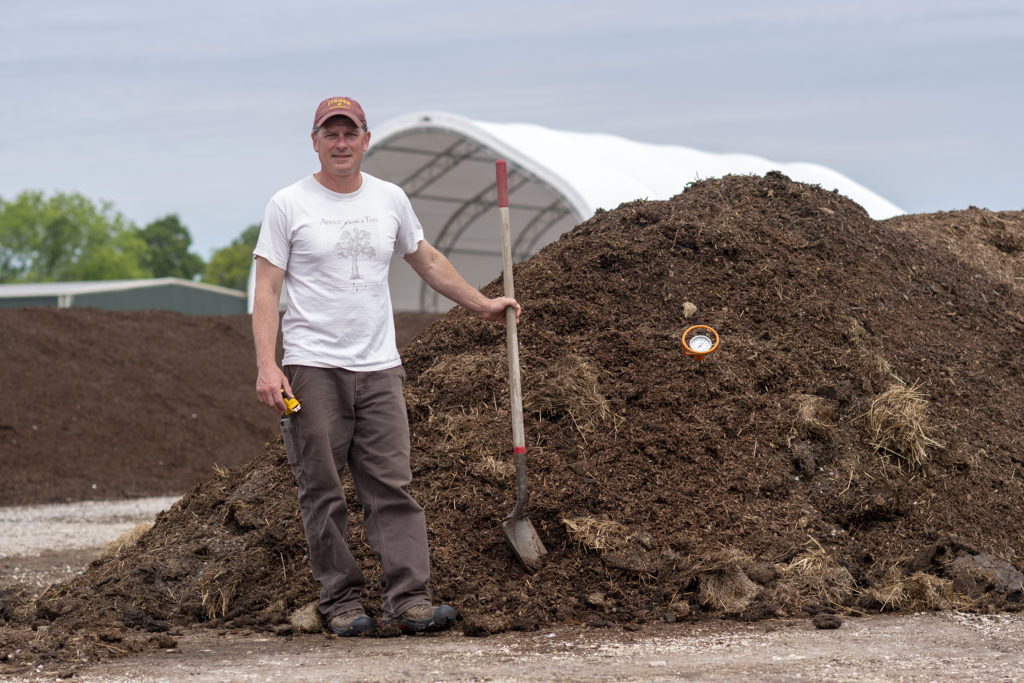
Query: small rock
{"points": [[307, 619], [689, 309], [482, 625], [1003, 576], [826, 621]]}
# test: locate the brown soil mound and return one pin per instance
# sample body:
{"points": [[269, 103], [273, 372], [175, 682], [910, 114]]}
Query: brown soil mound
{"points": [[101, 404], [991, 241], [109, 404], [852, 446]]}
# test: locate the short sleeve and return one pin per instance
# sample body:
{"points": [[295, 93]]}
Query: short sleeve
{"points": [[410, 232], [273, 242]]}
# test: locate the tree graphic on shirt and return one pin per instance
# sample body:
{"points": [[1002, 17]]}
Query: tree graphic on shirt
{"points": [[353, 244]]}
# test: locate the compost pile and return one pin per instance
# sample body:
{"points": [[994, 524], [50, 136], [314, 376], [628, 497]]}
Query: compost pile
{"points": [[852, 446], [103, 404]]}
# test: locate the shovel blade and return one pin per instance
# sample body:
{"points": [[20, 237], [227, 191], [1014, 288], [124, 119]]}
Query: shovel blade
{"points": [[524, 540]]}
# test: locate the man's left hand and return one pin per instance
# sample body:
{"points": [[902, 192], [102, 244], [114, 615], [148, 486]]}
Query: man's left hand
{"points": [[496, 309]]}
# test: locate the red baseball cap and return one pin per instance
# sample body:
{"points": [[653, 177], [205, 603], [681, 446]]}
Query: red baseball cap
{"points": [[339, 106]]}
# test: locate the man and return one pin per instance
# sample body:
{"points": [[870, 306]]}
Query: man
{"points": [[330, 238]]}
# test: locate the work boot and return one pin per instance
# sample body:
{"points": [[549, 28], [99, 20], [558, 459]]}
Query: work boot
{"points": [[354, 622], [426, 618]]}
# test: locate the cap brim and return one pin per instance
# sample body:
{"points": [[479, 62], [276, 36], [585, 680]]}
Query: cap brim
{"points": [[331, 114]]}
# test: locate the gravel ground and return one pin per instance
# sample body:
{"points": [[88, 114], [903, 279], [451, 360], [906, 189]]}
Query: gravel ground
{"points": [[936, 646], [41, 544], [31, 529]]}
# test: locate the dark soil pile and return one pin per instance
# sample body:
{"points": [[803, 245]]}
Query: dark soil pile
{"points": [[853, 446], [111, 404], [103, 404], [992, 241]]}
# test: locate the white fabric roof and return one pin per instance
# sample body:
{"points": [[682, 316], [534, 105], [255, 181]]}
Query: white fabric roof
{"points": [[557, 179]]}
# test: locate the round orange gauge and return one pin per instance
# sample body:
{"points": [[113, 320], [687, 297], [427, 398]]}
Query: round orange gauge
{"points": [[699, 341]]}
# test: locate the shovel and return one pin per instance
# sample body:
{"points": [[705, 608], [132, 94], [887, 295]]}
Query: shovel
{"points": [[518, 528]]}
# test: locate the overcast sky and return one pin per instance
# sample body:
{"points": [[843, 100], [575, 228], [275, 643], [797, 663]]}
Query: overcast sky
{"points": [[203, 108]]}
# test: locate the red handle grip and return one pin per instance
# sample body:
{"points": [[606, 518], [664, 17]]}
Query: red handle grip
{"points": [[502, 172]]}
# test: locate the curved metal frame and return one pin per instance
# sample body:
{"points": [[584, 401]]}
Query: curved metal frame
{"points": [[438, 164]]}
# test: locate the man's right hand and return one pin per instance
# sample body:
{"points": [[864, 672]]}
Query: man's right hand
{"points": [[269, 385]]}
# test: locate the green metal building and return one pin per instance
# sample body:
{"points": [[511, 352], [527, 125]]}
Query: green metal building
{"points": [[166, 293]]}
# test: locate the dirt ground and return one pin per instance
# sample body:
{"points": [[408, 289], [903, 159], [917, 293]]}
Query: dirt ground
{"points": [[919, 647], [851, 450]]}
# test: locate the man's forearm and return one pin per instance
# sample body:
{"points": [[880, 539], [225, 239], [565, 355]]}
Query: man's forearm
{"points": [[447, 281], [265, 325], [439, 273], [265, 311]]}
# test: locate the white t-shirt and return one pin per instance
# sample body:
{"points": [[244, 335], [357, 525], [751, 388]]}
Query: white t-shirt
{"points": [[336, 250]]}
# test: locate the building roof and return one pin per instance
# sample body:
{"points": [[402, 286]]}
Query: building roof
{"points": [[51, 289]]}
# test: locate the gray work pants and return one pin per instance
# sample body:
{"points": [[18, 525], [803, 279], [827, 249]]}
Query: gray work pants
{"points": [[358, 420]]}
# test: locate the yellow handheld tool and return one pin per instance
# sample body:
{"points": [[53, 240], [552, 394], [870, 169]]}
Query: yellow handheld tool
{"points": [[291, 404], [699, 341]]}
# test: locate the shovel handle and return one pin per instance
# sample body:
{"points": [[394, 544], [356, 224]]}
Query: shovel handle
{"points": [[511, 333]]}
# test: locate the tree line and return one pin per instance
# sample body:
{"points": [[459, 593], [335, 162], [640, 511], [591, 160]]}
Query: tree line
{"points": [[68, 237]]}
